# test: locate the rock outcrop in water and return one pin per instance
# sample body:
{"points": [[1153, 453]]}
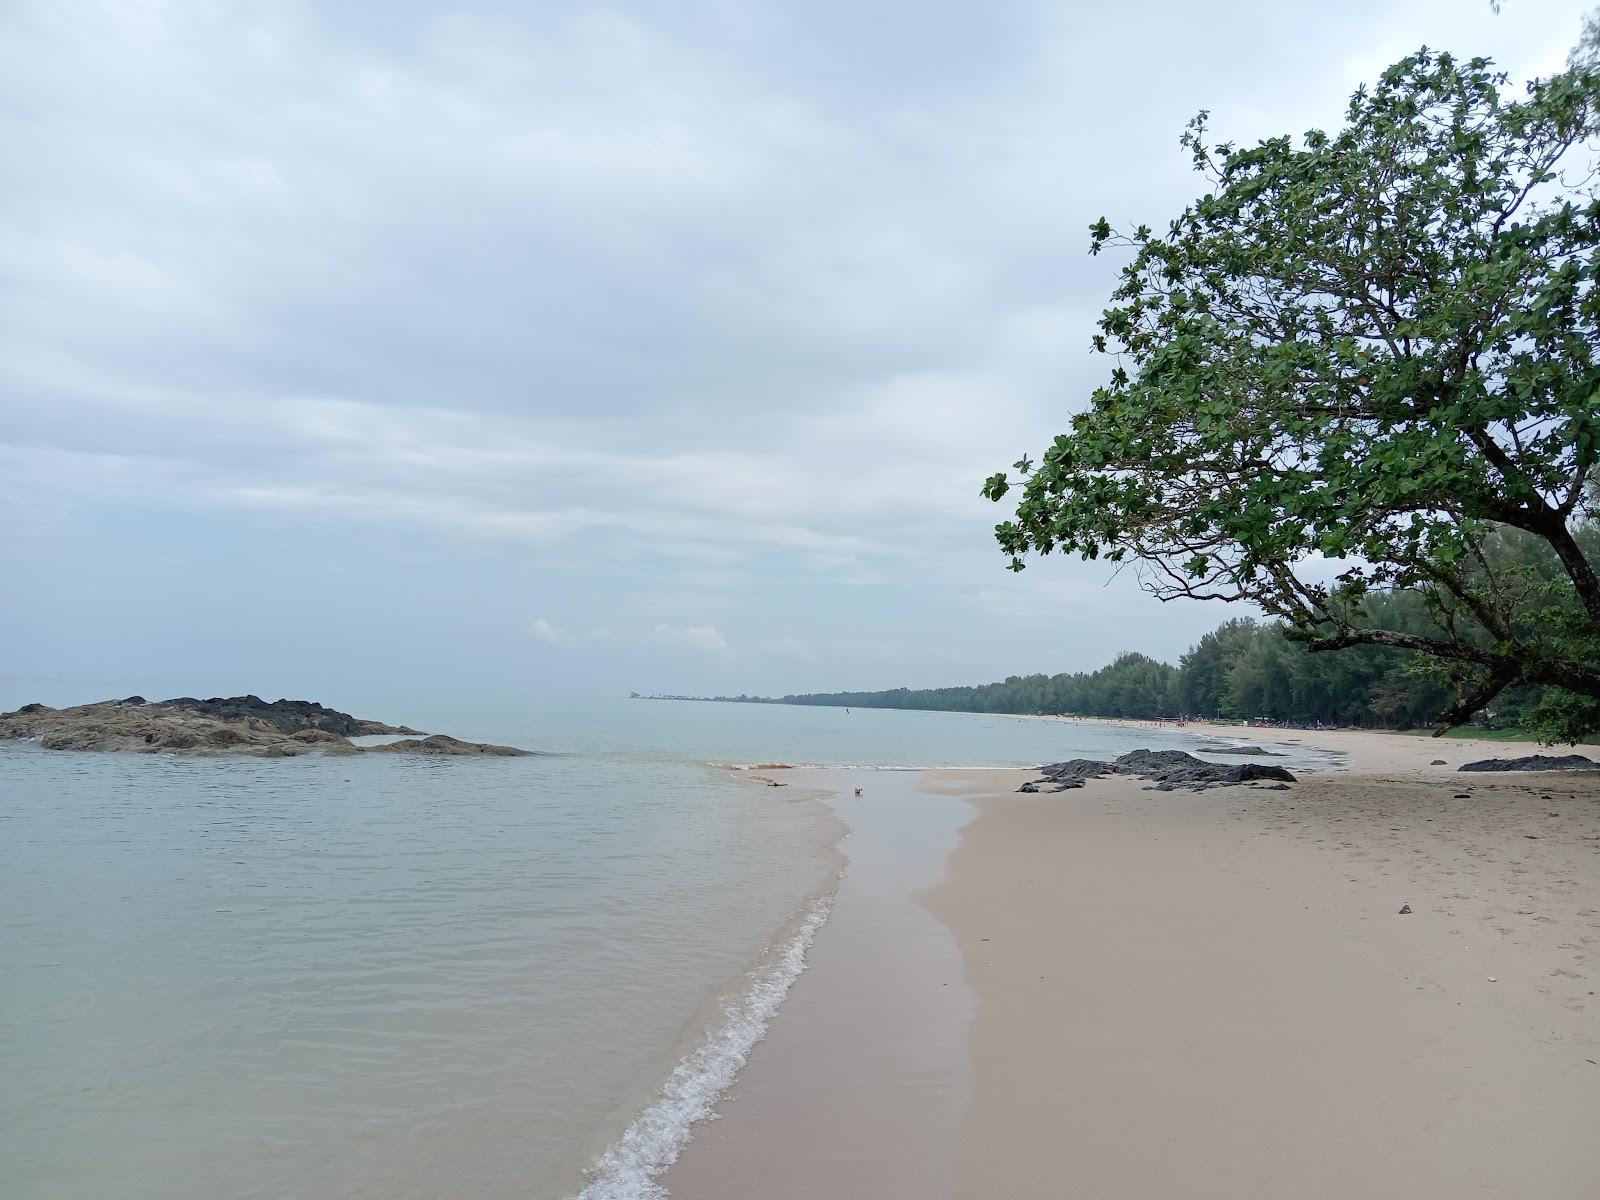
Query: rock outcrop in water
{"points": [[1534, 762], [443, 743], [1169, 769], [289, 716], [245, 725], [1247, 751]]}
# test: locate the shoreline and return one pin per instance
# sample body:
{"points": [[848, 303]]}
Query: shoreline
{"points": [[860, 1085], [717, 1041], [1196, 995]]}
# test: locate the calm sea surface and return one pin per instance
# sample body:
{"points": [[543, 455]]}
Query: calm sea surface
{"points": [[393, 977]]}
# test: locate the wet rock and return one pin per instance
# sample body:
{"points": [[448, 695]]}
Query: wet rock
{"points": [[1250, 751]]}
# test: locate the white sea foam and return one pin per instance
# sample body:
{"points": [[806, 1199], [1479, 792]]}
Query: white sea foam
{"points": [[629, 1168]]}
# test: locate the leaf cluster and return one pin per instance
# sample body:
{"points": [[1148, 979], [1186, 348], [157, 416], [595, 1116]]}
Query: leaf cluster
{"points": [[1360, 363]]}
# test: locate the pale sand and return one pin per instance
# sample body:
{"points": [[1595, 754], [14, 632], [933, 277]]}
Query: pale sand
{"points": [[1214, 995], [1361, 749], [1192, 995]]}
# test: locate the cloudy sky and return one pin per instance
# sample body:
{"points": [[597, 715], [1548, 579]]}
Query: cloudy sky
{"points": [[581, 348]]}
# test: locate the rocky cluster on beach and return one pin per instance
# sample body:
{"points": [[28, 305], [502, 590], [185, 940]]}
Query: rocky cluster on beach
{"points": [[1169, 770], [231, 725], [1534, 762]]}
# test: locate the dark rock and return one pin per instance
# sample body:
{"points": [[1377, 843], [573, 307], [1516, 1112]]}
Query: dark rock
{"points": [[442, 744], [1168, 769], [1251, 751], [1075, 771], [1438, 762], [233, 725], [1534, 762], [134, 701], [1185, 770], [289, 716], [1405, 909]]}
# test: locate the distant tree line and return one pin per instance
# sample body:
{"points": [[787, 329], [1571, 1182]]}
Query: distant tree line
{"points": [[1244, 669]]}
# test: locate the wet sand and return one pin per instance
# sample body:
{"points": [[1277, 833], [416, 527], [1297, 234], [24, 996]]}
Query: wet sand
{"points": [[1123, 992], [863, 1081]]}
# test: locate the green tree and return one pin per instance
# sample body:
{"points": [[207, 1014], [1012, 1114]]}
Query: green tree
{"points": [[1203, 687], [1262, 679], [1356, 366]]}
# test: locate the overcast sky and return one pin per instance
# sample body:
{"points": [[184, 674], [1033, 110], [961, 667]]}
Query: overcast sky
{"points": [[582, 348]]}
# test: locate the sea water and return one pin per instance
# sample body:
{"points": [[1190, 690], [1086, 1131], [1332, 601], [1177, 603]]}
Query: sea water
{"points": [[400, 977]]}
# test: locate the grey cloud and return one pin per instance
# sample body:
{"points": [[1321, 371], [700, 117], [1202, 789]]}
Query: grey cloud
{"points": [[698, 316]]}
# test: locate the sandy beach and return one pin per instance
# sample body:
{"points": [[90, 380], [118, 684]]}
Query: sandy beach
{"points": [[1362, 750], [1123, 992]]}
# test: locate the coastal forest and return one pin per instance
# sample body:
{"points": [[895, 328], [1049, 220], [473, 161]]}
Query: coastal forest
{"points": [[1244, 669]]}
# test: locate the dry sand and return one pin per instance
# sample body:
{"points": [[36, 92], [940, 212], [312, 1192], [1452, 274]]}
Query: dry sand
{"points": [[1171, 994], [1215, 995], [1360, 749]]}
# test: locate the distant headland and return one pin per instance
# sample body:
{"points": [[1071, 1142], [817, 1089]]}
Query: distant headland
{"points": [[233, 725]]}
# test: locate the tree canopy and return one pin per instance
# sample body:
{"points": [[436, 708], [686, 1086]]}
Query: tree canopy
{"points": [[1365, 363], [1243, 669]]}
